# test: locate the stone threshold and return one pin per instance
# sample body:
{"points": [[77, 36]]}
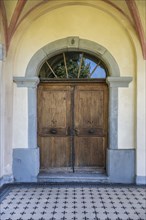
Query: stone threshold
{"points": [[72, 178]]}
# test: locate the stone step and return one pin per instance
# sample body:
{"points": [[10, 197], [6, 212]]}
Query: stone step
{"points": [[73, 178]]}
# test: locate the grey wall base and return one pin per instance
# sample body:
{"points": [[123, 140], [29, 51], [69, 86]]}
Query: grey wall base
{"points": [[141, 180], [121, 165], [25, 164], [6, 179]]}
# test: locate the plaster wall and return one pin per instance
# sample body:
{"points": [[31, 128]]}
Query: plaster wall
{"points": [[10, 6], [1, 108], [5, 118], [1, 149], [87, 23], [141, 5], [126, 117], [141, 121], [20, 118]]}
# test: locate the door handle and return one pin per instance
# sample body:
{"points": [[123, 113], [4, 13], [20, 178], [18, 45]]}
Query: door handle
{"points": [[53, 131], [91, 131], [75, 131]]}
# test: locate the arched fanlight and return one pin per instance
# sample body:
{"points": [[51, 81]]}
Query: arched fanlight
{"points": [[73, 65]]}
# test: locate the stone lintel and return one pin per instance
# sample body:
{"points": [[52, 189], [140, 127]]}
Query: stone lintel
{"points": [[30, 82], [116, 81]]}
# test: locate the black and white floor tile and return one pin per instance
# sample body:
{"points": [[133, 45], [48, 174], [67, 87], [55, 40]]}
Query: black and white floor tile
{"points": [[61, 202]]}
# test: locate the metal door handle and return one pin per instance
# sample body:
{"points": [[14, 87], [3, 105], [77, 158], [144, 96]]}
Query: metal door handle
{"points": [[53, 131], [76, 131], [91, 131], [73, 131]]}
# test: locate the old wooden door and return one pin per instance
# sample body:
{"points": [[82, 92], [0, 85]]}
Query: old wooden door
{"points": [[90, 122], [54, 120], [72, 126]]}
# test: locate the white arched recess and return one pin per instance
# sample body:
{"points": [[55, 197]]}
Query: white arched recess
{"points": [[124, 159]]}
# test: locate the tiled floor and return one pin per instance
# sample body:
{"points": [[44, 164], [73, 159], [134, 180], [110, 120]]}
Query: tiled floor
{"points": [[73, 202]]}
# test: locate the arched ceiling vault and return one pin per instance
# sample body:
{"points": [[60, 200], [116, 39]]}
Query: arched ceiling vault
{"points": [[14, 12]]}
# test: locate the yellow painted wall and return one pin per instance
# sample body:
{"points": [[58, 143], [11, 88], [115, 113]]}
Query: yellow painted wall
{"points": [[1, 106], [86, 22], [141, 5], [1, 148], [10, 7]]}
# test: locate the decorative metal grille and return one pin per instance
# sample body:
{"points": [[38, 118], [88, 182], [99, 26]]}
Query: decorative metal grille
{"points": [[73, 65]]}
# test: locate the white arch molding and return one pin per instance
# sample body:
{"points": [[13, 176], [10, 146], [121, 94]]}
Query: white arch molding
{"points": [[114, 80]]}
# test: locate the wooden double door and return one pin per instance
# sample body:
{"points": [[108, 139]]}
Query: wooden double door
{"points": [[72, 126]]}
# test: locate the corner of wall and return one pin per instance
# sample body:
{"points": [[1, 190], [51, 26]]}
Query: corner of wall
{"points": [[6, 179]]}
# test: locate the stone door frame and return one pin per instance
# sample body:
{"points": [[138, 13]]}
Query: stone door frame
{"points": [[114, 81]]}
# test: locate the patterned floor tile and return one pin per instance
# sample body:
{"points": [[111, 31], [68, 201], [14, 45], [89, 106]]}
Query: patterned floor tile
{"points": [[62, 202]]}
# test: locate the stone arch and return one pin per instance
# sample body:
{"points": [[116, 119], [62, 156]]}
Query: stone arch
{"points": [[72, 44]]}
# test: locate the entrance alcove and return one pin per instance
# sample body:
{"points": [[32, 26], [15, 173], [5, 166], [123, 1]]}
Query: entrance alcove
{"points": [[30, 158], [72, 114]]}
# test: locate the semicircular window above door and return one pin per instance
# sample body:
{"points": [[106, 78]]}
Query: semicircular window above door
{"points": [[73, 65]]}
